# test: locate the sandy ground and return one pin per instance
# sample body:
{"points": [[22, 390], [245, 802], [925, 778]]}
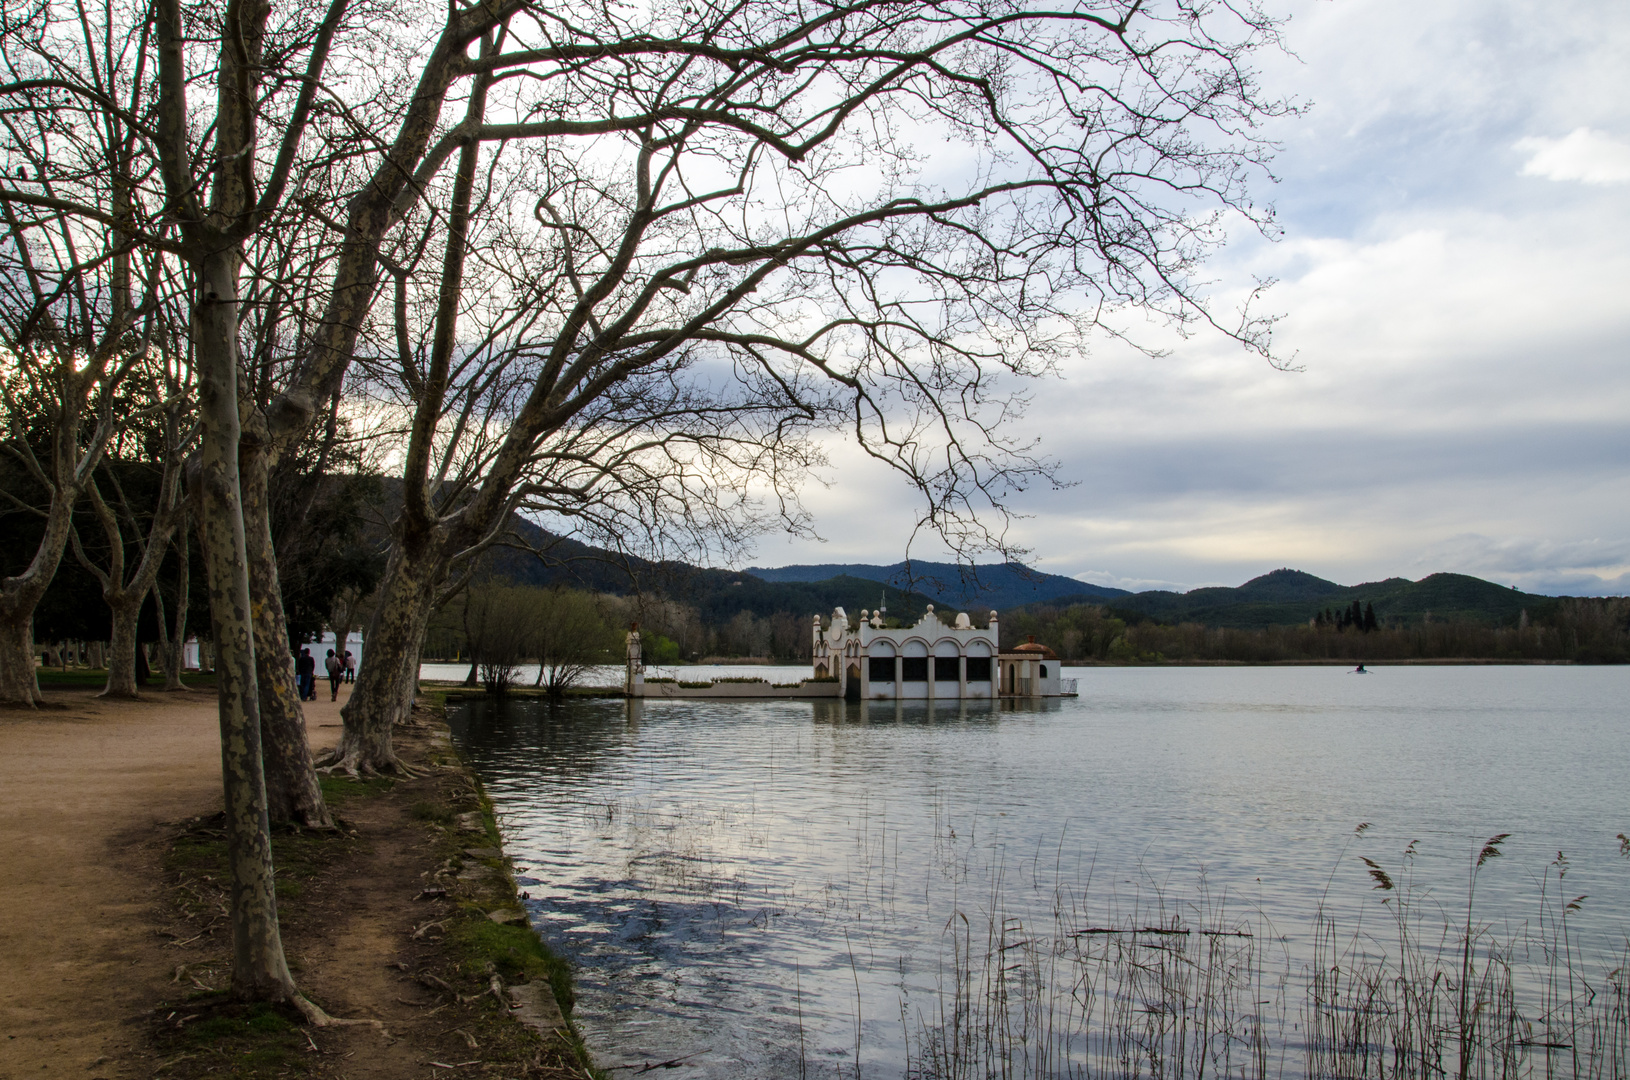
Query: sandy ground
{"points": [[81, 789]]}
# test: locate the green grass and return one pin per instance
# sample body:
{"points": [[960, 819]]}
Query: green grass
{"points": [[96, 678], [515, 952], [247, 1040], [251, 1021], [338, 790], [198, 859], [436, 696], [260, 1041], [432, 811]]}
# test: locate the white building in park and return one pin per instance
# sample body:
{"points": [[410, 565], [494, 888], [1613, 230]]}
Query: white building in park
{"points": [[328, 640], [196, 655], [930, 661]]}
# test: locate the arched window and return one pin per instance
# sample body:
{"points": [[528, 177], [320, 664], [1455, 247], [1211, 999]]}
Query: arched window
{"points": [[1044, 671]]}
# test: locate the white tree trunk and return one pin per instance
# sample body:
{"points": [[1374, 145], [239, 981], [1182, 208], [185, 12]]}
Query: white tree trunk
{"points": [[259, 971]]}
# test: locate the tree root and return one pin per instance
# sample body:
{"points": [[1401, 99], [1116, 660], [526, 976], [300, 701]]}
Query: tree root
{"points": [[316, 1017], [299, 823], [353, 766]]}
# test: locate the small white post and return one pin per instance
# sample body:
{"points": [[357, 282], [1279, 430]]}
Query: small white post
{"points": [[634, 683]]}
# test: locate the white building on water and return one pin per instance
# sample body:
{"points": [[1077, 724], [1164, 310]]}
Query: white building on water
{"points": [[931, 661]]}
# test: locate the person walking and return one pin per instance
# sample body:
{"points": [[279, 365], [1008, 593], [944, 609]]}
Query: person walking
{"points": [[305, 675], [350, 667], [336, 671]]}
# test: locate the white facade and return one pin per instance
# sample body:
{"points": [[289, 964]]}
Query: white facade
{"points": [[926, 662], [191, 653], [930, 661], [1031, 670], [328, 640]]}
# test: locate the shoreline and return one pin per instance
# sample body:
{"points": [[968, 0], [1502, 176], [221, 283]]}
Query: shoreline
{"points": [[408, 917]]}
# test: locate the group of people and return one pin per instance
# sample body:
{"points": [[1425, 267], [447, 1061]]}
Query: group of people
{"points": [[340, 669]]}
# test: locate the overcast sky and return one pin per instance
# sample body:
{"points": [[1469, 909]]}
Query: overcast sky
{"points": [[1455, 280]]}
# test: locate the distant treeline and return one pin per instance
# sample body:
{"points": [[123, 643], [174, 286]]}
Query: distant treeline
{"points": [[1574, 629], [1594, 631], [671, 632]]}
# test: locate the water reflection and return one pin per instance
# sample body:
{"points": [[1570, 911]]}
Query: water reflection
{"points": [[771, 888], [922, 713]]}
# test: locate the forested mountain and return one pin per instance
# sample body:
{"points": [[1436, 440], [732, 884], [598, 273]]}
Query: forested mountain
{"points": [[1290, 597], [1281, 598], [972, 589], [718, 595]]}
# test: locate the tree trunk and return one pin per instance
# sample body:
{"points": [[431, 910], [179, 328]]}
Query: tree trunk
{"points": [[20, 595], [293, 793], [125, 610], [340, 619], [383, 694], [19, 684], [259, 971], [176, 653]]}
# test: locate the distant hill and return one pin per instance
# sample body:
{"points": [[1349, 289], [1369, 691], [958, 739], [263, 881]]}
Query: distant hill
{"points": [[1285, 597], [974, 590], [717, 594], [1281, 598]]}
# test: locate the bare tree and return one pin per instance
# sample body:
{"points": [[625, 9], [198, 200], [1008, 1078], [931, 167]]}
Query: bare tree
{"points": [[691, 243], [719, 233], [56, 432], [569, 639], [499, 625], [103, 148], [77, 309], [121, 521]]}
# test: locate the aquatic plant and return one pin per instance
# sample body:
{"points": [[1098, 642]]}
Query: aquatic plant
{"points": [[1171, 989]]}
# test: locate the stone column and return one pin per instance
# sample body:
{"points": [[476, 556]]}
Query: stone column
{"points": [[634, 682]]}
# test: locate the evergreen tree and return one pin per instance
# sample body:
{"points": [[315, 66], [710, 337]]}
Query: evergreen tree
{"points": [[1369, 618]]}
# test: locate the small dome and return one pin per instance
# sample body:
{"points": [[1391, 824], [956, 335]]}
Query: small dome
{"points": [[1031, 648], [962, 622]]}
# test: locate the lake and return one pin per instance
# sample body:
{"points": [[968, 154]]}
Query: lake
{"points": [[830, 889]]}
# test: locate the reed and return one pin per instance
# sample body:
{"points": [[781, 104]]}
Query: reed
{"points": [[1166, 989]]}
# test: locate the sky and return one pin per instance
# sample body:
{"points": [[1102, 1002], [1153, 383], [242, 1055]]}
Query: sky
{"points": [[1454, 278]]}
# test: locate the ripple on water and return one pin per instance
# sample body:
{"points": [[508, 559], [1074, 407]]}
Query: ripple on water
{"points": [[743, 885]]}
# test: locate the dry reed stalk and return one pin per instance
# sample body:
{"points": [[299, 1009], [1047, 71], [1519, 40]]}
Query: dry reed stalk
{"points": [[1188, 991]]}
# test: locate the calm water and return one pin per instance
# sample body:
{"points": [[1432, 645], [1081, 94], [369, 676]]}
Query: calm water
{"points": [[765, 889]]}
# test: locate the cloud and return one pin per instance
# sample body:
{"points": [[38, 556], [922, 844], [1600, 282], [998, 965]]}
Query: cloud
{"points": [[1465, 404], [1589, 567], [1137, 584], [1585, 155]]}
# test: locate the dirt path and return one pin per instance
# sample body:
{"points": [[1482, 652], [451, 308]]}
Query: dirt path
{"points": [[82, 787]]}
